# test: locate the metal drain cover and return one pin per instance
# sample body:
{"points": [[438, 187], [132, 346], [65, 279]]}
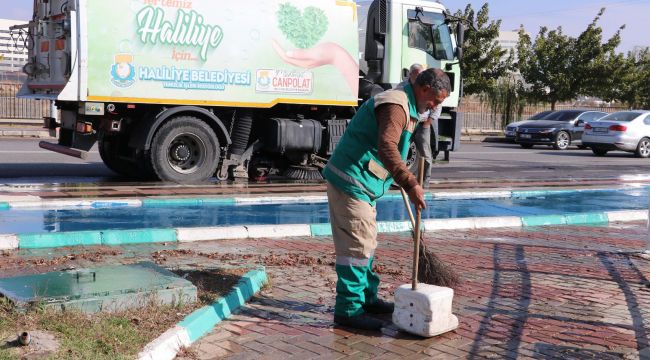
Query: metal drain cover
{"points": [[111, 288]]}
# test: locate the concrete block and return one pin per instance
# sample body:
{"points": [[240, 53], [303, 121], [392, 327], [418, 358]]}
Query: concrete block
{"points": [[426, 311]]}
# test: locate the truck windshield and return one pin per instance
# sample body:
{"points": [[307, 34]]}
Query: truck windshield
{"points": [[431, 34]]}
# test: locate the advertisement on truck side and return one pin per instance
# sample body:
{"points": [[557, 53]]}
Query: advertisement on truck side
{"points": [[235, 53]]}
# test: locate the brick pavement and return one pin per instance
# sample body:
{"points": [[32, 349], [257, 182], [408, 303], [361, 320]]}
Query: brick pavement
{"points": [[548, 292]]}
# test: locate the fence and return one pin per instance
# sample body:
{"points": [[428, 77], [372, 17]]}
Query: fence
{"points": [[14, 108], [478, 115]]}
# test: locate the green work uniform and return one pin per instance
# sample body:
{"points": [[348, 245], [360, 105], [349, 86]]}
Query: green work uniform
{"points": [[359, 178]]}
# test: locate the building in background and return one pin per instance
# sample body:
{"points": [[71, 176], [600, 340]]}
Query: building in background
{"points": [[13, 51], [508, 41]]}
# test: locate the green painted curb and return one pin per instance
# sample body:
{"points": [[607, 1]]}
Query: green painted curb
{"points": [[393, 226], [587, 219], [321, 229], [203, 320], [160, 203], [543, 220], [4, 206], [53, 240], [147, 236]]}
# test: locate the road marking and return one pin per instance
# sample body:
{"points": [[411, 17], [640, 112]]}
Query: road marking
{"points": [[477, 171], [534, 171]]}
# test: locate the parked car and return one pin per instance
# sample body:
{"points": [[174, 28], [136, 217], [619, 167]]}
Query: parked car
{"points": [[559, 129], [511, 129], [624, 130]]}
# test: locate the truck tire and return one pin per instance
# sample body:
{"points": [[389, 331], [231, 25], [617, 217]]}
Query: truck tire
{"points": [[109, 152], [184, 149]]}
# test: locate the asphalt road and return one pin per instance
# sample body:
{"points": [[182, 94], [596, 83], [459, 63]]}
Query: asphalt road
{"points": [[22, 161]]}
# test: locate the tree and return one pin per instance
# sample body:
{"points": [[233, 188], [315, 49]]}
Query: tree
{"points": [[634, 74], [483, 59], [558, 67]]}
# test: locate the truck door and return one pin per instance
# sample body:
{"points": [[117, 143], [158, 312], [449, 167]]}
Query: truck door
{"points": [[427, 40]]}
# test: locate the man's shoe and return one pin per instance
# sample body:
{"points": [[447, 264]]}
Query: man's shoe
{"points": [[379, 307], [361, 321]]}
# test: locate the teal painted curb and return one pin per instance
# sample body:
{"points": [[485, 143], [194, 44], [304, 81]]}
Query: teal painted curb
{"points": [[321, 229], [161, 203], [129, 237], [203, 320], [587, 219], [543, 220], [4, 206], [54, 240], [96, 238]]}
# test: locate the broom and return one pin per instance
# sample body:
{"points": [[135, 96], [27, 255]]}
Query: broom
{"points": [[429, 268]]}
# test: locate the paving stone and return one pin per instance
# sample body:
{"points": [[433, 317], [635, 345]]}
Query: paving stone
{"points": [[526, 293]]}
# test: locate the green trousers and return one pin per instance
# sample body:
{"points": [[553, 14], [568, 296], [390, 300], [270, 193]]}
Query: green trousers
{"points": [[357, 285]]}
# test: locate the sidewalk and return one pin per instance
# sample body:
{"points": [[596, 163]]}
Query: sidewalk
{"points": [[549, 292]]}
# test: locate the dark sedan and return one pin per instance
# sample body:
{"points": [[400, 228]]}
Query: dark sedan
{"points": [[511, 129], [559, 129]]}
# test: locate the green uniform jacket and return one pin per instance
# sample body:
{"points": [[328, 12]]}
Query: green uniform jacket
{"points": [[355, 167]]}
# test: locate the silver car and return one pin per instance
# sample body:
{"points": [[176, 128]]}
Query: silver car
{"points": [[623, 130]]}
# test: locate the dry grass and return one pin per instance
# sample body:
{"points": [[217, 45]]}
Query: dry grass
{"points": [[111, 336]]}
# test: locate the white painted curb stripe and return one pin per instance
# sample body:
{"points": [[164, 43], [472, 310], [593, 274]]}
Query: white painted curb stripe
{"points": [[448, 224], [167, 346], [10, 199], [473, 195], [67, 204], [276, 231], [497, 222], [8, 242], [633, 215], [211, 233], [281, 200]]}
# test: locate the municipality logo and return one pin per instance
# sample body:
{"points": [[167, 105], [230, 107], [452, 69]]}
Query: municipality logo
{"points": [[123, 71]]}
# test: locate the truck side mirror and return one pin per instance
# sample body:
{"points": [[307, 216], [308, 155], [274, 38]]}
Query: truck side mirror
{"points": [[460, 40]]}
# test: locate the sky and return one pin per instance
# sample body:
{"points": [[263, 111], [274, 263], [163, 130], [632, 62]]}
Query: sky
{"points": [[573, 15]]}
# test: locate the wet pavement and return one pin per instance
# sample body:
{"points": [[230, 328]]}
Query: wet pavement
{"points": [[548, 292]]}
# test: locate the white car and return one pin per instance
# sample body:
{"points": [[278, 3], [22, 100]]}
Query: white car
{"points": [[623, 130]]}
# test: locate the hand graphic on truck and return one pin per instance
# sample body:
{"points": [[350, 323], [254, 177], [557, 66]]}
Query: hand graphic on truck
{"points": [[327, 53]]}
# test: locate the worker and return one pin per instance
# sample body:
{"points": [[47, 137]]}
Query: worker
{"points": [[368, 158], [422, 135]]}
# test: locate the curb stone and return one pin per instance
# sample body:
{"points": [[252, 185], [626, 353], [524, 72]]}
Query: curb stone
{"points": [[148, 236], [203, 320], [27, 202]]}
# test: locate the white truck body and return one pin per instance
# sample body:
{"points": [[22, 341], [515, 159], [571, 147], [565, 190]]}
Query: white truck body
{"points": [[118, 70]]}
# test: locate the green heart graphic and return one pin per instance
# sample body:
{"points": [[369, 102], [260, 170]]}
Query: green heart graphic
{"points": [[303, 30]]}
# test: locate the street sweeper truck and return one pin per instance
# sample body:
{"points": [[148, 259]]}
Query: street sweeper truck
{"points": [[184, 90]]}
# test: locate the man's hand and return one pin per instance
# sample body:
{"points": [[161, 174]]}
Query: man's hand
{"points": [[416, 195]]}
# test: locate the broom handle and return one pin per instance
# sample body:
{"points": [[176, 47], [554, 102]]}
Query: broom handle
{"points": [[416, 232], [408, 207]]}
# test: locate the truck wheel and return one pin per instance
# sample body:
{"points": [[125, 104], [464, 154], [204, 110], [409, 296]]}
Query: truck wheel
{"points": [[185, 149], [109, 152]]}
